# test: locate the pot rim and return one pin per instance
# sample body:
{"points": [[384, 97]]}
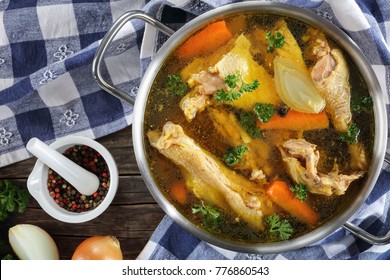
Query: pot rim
{"points": [[380, 141]]}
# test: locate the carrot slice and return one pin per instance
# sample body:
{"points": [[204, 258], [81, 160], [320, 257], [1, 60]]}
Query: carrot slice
{"points": [[179, 191], [280, 193], [297, 121], [210, 38]]}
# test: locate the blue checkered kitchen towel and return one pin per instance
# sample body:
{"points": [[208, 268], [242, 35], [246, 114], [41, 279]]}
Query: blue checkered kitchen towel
{"points": [[47, 91]]}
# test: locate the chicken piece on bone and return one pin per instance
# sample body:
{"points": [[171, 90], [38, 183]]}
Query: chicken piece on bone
{"points": [[331, 76], [301, 159], [205, 174]]}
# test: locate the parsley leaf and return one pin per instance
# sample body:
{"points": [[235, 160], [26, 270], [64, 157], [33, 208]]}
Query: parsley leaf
{"points": [[227, 95], [249, 87], [351, 135], [282, 230], [175, 85], [248, 122], [300, 191], [232, 80], [12, 198], [274, 41], [211, 217], [234, 155], [264, 111], [236, 87]]}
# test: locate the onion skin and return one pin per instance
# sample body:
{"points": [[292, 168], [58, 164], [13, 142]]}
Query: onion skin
{"points": [[98, 248], [30, 242]]}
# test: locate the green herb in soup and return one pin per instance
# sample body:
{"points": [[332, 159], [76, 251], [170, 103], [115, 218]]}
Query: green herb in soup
{"points": [[281, 229], [271, 135], [300, 191], [234, 155], [236, 87], [274, 41], [264, 111], [248, 123]]}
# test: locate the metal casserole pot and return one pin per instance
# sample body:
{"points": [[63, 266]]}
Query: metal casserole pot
{"points": [[178, 37]]}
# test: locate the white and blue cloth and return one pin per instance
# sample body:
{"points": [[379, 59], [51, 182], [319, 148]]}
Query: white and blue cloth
{"points": [[47, 91]]}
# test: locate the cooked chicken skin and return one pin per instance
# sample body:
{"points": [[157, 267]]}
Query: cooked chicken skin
{"points": [[193, 103], [301, 158], [204, 175], [331, 77]]}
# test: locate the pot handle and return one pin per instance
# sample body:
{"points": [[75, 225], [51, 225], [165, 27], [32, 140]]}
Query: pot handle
{"points": [[364, 235], [110, 35], [368, 237]]}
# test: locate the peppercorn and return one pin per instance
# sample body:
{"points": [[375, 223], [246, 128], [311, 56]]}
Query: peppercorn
{"points": [[65, 195], [282, 110]]}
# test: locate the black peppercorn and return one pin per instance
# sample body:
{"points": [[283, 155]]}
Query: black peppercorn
{"points": [[65, 195]]}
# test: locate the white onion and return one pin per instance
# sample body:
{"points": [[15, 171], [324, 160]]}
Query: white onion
{"points": [[30, 242], [295, 87]]}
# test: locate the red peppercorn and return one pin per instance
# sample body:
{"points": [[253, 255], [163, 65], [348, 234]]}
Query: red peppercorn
{"points": [[66, 195]]}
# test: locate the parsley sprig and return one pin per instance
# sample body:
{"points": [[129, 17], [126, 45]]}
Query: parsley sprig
{"points": [[248, 122], [351, 135], [235, 88], [211, 217], [264, 111], [300, 191], [234, 155], [274, 41], [281, 229], [12, 198]]}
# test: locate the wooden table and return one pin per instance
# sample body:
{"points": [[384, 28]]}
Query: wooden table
{"points": [[132, 217]]}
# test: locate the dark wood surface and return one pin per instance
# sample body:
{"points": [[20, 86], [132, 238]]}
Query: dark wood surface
{"points": [[132, 217]]}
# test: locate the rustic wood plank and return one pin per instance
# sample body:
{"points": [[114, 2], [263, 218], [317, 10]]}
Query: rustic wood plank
{"points": [[17, 170], [129, 223], [131, 190], [120, 220], [132, 216]]}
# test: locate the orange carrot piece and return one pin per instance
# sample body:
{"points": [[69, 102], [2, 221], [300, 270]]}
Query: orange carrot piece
{"points": [[297, 121], [210, 38], [179, 191], [280, 193]]}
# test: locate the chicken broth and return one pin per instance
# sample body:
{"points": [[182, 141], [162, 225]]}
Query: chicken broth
{"points": [[261, 133]]}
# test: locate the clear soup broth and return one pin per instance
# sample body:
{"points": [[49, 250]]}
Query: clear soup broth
{"points": [[259, 128]]}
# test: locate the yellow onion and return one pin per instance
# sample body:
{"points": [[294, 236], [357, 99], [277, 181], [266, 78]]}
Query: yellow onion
{"points": [[30, 242], [295, 87], [98, 248]]}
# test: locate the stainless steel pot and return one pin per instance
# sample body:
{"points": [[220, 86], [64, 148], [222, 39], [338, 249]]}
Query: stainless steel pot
{"points": [[379, 154]]}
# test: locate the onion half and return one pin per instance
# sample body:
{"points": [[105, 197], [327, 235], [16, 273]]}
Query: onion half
{"points": [[295, 87], [30, 242]]}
